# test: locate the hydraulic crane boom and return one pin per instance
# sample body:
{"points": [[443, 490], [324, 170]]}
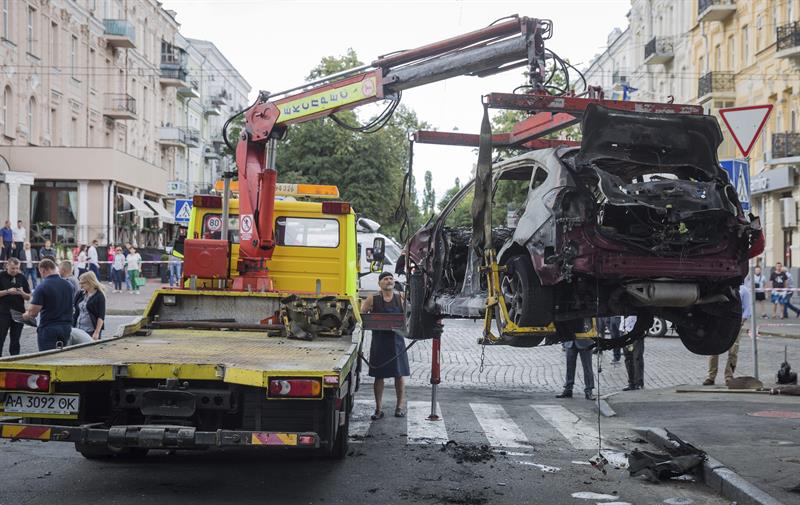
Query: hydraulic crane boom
{"points": [[516, 42]]}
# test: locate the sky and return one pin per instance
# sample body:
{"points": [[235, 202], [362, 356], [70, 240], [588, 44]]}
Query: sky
{"points": [[274, 45]]}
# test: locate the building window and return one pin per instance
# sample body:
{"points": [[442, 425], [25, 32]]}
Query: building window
{"points": [[746, 44], [30, 112], [92, 54], [54, 211], [717, 58], [53, 43], [30, 35], [75, 132], [787, 248], [731, 53], [794, 122], [54, 140], [6, 112], [6, 20], [73, 54]]}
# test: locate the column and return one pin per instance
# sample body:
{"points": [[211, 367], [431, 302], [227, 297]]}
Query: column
{"points": [[112, 213], [83, 212], [106, 211], [13, 203]]}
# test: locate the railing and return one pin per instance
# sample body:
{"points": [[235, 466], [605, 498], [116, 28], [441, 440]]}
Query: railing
{"points": [[715, 82], [174, 73], [658, 45], [192, 136], [120, 102], [119, 28], [785, 145], [702, 5], [172, 133], [788, 36]]}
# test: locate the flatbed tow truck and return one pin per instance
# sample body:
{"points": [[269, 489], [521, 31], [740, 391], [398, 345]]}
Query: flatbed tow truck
{"points": [[267, 357]]}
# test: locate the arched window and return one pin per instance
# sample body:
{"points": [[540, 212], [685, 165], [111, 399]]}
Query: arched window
{"points": [[30, 112], [6, 112]]}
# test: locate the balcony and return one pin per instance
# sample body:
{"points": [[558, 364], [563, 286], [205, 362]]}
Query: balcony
{"points": [[785, 145], [715, 85], [220, 99], [119, 33], [210, 153], [192, 137], [658, 51], [211, 109], [172, 136], [788, 45], [715, 10], [190, 91], [618, 78], [173, 69], [119, 106]]}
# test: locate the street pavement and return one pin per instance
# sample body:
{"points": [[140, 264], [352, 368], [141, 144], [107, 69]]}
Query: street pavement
{"points": [[508, 406]]}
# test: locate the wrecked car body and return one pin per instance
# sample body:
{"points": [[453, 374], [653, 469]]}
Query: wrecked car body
{"points": [[640, 220]]}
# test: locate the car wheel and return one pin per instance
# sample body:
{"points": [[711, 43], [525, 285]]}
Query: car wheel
{"points": [[713, 328], [528, 302], [658, 329], [420, 325]]}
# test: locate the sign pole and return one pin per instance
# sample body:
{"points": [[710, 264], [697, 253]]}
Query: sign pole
{"points": [[753, 315]]}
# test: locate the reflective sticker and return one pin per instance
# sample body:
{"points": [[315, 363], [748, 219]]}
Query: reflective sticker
{"points": [[26, 432], [273, 439]]}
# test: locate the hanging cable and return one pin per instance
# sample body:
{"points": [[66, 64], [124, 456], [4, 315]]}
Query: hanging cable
{"points": [[230, 120], [377, 123]]}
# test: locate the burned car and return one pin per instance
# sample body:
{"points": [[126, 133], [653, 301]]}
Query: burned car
{"points": [[639, 220]]}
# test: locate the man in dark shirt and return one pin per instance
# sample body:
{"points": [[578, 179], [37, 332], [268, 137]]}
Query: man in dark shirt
{"points": [[8, 239], [52, 301], [778, 279], [14, 290], [47, 251]]}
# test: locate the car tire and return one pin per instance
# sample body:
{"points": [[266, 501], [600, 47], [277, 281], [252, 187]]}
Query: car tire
{"points": [[711, 329], [658, 328], [528, 302], [420, 325], [341, 444]]}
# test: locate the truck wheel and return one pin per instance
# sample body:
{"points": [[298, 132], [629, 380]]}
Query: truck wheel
{"points": [[420, 325], [340, 446], [529, 303], [713, 328]]}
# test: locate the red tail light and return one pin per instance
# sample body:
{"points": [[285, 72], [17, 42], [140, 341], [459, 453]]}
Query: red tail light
{"points": [[306, 440], [27, 381], [207, 201], [295, 388], [335, 208]]}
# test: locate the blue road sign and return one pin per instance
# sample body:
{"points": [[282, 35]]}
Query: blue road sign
{"points": [[183, 211], [739, 175]]}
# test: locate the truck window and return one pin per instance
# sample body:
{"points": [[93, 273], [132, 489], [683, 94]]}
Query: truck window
{"points": [[307, 232], [212, 227]]}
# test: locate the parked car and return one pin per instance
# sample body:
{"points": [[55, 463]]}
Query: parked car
{"points": [[639, 220]]}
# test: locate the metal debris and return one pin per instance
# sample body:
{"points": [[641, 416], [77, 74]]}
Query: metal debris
{"points": [[682, 459]]}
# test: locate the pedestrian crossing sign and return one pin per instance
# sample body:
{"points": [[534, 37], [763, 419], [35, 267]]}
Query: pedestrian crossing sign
{"points": [[739, 175], [183, 211]]}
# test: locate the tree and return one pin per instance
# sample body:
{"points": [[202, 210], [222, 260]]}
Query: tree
{"points": [[428, 195]]}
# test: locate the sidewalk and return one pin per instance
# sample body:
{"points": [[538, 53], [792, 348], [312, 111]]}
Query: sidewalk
{"points": [[127, 303]]}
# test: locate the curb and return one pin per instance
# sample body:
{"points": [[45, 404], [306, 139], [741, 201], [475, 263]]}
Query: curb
{"points": [[716, 475], [124, 312], [778, 334]]}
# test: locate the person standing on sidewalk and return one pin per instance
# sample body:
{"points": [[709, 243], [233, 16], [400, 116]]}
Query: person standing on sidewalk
{"points": [[20, 235], [47, 251], [387, 352], [579, 347], [14, 290], [94, 259], [52, 302], [778, 279], [8, 239], [66, 273], [29, 258], [733, 352], [80, 260], [118, 270], [760, 282], [175, 265], [634, 356], [134, 263]]}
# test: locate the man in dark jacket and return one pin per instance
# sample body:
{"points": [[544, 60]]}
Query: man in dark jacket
{"points": [[52, 300], [14, 290]]}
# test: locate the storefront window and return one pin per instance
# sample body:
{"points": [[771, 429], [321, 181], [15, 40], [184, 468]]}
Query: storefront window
{"points": [[54, 211]]}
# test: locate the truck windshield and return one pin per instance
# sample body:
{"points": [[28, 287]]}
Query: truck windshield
{"points": [[212, 227]]}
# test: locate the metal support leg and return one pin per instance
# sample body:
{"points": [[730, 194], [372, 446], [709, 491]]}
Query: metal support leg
{"points": [[435, 377]]}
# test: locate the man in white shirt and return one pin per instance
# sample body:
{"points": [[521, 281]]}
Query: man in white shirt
{"points": [[20, 235], [29, 259], [93, 259]]}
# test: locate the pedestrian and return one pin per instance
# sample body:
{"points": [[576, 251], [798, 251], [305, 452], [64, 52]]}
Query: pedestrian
{"points": [[760, 283], [52, 302], [14, 290], [20, 235], [579, 346], [94, 258], [387, 352], [29, 258], [89, 307], [634, 356], [778, 279], [126, 251], [65, 270], [786, 300], [112, 251], [612, 325], [133, 262], [47, 251], [118, 269], [8, 239], [80, 261], [175, 265], [733, 352]]}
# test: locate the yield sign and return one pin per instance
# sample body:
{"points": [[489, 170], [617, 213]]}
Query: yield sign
{"points": [[745, 124]]}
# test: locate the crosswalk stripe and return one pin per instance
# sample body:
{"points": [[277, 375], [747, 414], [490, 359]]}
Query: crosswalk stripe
{"points": [[579, 433], [359, 419], [422, 431], [500, 430]]}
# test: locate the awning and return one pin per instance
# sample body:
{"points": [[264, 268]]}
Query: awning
{"points": [[139, 206], [165, 215]]}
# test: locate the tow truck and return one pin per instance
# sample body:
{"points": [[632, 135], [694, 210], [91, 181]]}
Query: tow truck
{"points": [[267, 357]]}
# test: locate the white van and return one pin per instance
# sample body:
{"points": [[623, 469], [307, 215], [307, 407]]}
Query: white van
{"points": [[367, 233]]}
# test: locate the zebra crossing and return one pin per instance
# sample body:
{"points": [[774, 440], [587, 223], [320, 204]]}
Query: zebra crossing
{"points": [[513, 429]]}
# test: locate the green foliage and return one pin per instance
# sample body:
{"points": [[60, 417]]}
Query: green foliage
{"points": [[428, 195], [333, 64]]}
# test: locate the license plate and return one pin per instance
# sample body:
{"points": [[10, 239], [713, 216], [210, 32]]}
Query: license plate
{"points": [[32, 403]]}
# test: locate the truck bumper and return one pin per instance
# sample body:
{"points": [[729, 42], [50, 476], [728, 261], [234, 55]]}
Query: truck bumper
{"points": [[158, 436]]}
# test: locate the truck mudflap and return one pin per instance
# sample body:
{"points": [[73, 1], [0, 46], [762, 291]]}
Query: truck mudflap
{"points": [[158, 436]]}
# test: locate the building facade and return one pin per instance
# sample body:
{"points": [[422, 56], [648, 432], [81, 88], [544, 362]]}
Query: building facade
{"points": [[93, 119]]}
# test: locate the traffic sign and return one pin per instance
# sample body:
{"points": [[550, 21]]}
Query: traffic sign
{"points": [[183, 211], [739, 175], [745, 124]]}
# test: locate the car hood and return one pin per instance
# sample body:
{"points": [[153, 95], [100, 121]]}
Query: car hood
{"points": [[651, 139]]}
